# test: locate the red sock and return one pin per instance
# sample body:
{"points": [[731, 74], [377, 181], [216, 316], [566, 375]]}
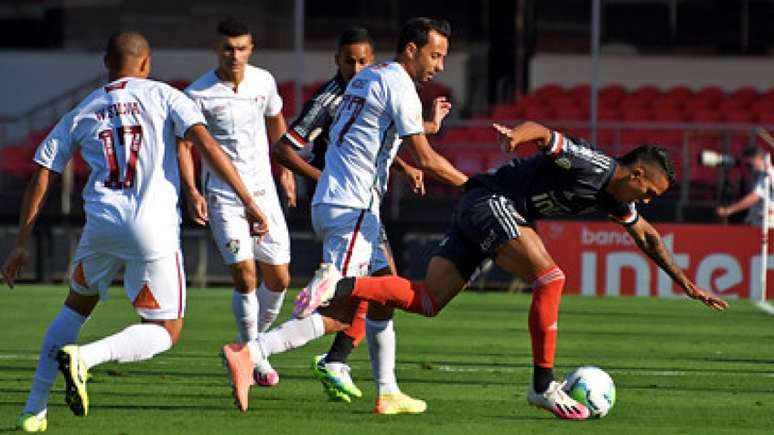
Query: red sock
{"points": [[543, 315], [397, 292], [356, 330]]}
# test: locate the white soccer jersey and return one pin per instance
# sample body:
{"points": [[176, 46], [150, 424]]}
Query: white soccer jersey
{"points": [[126, 134], [379, 107], [235, 118]]}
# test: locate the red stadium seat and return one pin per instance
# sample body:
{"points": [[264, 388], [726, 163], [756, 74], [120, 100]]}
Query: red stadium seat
{"points": [[706, 115], [633, 137], [507, 112], [746, 95], [548, 90], [711, 93], [570, 113], [612, 92], [742, 116], [469, 162], [669, 114], [636, 114], [580, 92], [666, 138], [680, 92], [646, 93]]}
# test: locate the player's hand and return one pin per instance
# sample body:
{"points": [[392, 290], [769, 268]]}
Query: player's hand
{"points": [[197, 208], [288, 183], [707, 298], [259, 225], [415, 178], [438, 111], [722, 212], [13, 265], [505, 138]]}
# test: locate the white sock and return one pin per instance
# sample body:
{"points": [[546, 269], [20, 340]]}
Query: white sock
{"points": [[381, 349], [245, 309], [270, 304], [289, 335], [64, 329], [135, 343]]}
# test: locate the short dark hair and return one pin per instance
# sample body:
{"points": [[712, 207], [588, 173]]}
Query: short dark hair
{"points": [[416, 29], [653, 155], [751, 151], [232, 27], [354, 35]]}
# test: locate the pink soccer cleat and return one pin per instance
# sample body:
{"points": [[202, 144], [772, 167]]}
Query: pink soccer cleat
{"points": [[556, 401], [236, 358], [319, 291]]}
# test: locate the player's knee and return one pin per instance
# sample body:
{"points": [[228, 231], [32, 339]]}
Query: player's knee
{"points": [[244, 280], [174, 328]]}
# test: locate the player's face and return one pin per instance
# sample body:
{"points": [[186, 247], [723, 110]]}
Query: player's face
{"points": [[233, 54], [428, 60], [643, 183], [352, 58]]}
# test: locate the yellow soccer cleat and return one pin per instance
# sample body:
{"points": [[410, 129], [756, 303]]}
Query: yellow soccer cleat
{"points": [[75, 375], [29, 422], [398, 403]]}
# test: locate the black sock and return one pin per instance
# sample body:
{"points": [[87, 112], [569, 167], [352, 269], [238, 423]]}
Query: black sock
{"points": [[541, 378], [344, 287], [340, 349]]}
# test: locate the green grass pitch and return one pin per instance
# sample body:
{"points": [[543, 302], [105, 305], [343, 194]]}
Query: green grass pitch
{"points": [[678, 367]]}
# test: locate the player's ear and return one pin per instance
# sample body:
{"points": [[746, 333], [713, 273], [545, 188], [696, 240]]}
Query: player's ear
{"points": [[145, 65], [411, 50]]}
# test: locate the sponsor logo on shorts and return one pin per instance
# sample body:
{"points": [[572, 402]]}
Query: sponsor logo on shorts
{"points": [[487, 242], [233, 246]]}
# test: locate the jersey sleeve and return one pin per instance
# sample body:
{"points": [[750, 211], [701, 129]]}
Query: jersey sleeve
{"points": [[58, 147], [312, 120], [274, 101], [185, 113], [623, 213], [406, 110]]}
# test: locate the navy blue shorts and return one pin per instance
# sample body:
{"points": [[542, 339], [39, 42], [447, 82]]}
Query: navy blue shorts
{"points": [[482, 222]]}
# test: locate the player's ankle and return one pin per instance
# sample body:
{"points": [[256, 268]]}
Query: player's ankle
{"points": [[542, 378]]}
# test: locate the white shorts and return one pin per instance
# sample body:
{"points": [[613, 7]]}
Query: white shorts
{"points": [[351, 239], [232, 233], [156, 288]]}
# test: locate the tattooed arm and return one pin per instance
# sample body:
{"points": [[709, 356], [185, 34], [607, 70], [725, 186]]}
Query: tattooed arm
{"points": [[649, 241]]}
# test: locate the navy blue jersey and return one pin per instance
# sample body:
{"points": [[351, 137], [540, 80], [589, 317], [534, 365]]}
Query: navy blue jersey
{"points": [[569, 178], [315, 119]]}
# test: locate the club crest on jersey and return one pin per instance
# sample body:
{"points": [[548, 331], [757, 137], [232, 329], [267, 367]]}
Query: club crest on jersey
{"points": [[563, 163], [219, 111], [233, 246]]}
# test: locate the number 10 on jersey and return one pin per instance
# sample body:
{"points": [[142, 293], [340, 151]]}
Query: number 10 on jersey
{"points": [[132, 135]]}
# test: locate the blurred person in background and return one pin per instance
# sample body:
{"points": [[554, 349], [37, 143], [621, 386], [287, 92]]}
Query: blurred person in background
{"points": [[754, 159]]}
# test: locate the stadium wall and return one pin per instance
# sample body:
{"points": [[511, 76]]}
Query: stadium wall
{"points": [[728, 72], [28, 78]]}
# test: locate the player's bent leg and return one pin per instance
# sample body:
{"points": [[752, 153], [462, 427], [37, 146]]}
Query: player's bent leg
{"points": [[527, 258]]}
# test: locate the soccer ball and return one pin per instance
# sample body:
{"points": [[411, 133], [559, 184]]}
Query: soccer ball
{"points": [[592, 387]]}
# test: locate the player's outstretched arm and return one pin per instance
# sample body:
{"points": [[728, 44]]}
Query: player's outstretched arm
{"points": [[510, 138], [222, 165], [197, 206], [433, 163], [441, 107], [649, 241], [414, 176], [34, 197]]}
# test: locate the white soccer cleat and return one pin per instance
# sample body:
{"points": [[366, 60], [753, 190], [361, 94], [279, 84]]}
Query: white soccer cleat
{"points": [[319, 291], [556, 401]]}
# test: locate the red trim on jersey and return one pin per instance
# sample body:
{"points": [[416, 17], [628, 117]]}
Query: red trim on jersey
{"points": [[119, 85], [179, 286], [558, 144], [301, 141], [351, 245]]}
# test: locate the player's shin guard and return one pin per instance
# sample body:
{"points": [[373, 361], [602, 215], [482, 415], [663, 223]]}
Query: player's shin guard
{"points": [[394, 291], [543, 315]]}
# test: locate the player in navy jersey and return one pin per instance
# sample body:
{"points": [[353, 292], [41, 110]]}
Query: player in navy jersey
{"points": [[493, 220]]}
